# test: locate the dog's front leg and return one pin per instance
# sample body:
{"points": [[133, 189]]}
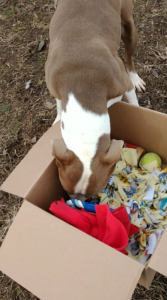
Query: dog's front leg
{"points": [[131, 97], [130, 39]]}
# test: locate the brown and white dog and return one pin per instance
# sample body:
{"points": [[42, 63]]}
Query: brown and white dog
{"points": [[86, 76]]}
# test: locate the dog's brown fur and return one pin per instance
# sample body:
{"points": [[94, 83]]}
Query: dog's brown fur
{"points": [[83, 52]]}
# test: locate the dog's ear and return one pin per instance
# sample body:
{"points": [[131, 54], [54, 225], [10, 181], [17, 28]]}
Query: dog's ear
{"points": [[60, 152], [114, 152]]}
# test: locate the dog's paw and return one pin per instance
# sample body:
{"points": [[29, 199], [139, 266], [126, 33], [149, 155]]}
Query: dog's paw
{"points": [[138, 83]]}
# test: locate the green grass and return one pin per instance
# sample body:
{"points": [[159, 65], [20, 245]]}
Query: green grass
{"points": [[9, 12], [15, 123], [21, 26], [4, 108]]}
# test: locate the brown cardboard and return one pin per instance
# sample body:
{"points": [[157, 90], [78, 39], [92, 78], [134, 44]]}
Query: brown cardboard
{"points": [[42, 194], [56, 261], [147, 277], [36, 179], [158, 261], [140, 126], [34, 164]]}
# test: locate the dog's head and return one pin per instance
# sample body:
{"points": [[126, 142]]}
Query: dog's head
{"points": [[77, 179]]}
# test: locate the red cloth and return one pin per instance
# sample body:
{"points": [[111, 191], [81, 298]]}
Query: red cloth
{"points": [[109, 227], [127, 145]]}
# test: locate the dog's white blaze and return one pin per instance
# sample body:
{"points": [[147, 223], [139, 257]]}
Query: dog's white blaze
{"points": [[81, 133]]}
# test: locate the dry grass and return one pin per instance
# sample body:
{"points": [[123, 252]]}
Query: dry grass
{"points": [[25, 114]]}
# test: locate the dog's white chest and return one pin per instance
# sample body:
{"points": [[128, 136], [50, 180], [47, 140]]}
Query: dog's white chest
{"points": [[81, 133]]}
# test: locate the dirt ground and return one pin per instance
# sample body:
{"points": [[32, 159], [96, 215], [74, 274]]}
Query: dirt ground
{"points": [[25, 114]]}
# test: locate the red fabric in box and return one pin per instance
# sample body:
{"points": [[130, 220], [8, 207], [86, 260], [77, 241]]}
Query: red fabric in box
{"points": [[109, 227]]}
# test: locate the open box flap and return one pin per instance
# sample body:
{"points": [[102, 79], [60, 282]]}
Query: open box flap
{"points": [[147, 277], [29, 170], [158, 261], [54, 260], [140, 126]]}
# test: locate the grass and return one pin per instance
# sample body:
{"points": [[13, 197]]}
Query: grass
{"points": [[4, 108], [7, 13]]}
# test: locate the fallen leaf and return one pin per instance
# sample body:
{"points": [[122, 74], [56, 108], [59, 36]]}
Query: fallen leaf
{"points": [[41, 45], [34, 139], [154, 73], [28, 83], [49, 105]]}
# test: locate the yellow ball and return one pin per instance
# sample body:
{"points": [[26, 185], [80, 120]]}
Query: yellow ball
{"points": [[150, 161]]}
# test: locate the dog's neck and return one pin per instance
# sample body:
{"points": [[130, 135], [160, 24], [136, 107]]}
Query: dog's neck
{"points": [[81, 131]]}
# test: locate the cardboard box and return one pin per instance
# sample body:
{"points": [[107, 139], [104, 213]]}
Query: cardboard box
{"points": [[54, 260]]}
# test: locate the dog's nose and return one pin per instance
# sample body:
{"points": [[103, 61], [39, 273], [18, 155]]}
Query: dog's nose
{"points": [[82, 197]]}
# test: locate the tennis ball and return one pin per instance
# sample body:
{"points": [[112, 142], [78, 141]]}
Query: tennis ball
{"points": [[150, 161]]}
